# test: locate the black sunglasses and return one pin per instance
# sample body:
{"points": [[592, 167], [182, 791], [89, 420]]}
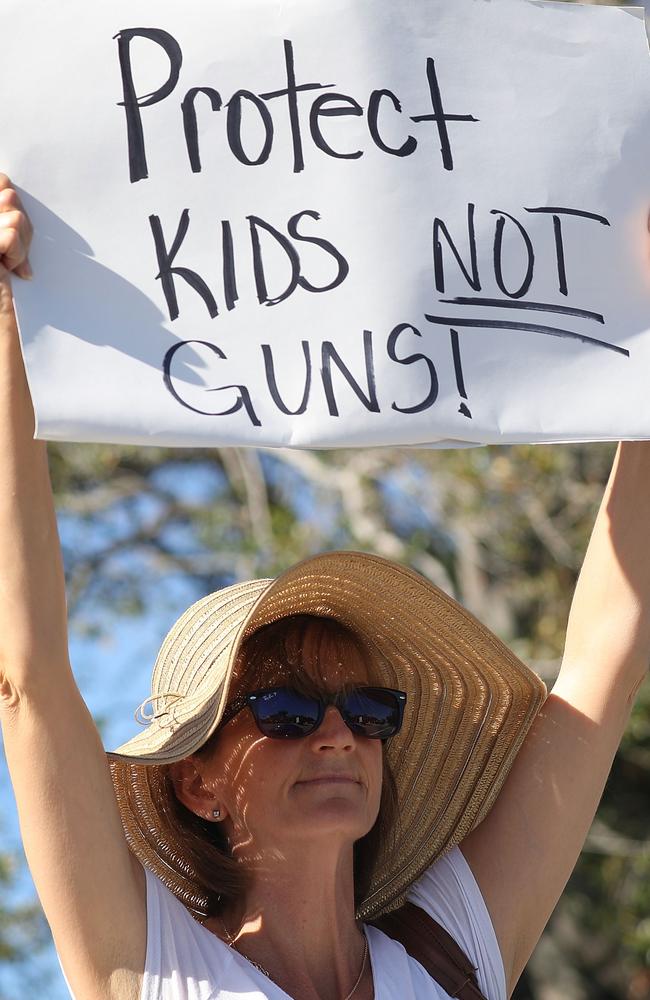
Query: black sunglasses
{"points": [[283, 713]]}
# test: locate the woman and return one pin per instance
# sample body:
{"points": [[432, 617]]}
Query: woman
{"points": [[257, 791]]}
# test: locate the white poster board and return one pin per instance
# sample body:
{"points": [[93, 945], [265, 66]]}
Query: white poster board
{"points": [[319, 223]]}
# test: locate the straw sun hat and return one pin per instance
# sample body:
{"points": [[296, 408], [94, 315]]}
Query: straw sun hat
{"points": [[470, 704]]}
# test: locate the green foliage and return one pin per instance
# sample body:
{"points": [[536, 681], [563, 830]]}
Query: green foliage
{"points": [[22, 925]]}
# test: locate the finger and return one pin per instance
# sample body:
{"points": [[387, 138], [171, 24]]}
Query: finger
{"points": [[9, 199], [11, 205], [10, 202], [24, 270], [15, 246], [13, 251], [16, 221]]}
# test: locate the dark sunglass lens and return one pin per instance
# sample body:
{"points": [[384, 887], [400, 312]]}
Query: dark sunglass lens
{"points": [[372, 712], [285, 714]]}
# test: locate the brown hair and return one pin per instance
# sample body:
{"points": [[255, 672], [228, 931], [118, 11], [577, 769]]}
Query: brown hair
{"points": [[302, 647]]}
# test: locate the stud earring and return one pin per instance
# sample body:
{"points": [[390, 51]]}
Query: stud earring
{"points": [[216, 813]]}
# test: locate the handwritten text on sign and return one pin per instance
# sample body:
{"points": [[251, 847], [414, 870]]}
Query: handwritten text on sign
{"points": [[442, 220]]}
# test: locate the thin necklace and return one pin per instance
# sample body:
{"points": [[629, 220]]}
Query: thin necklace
{"points": [[231, 942]]}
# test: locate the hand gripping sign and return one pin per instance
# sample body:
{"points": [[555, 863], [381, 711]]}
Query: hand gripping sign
{"points": [[333, 222]]}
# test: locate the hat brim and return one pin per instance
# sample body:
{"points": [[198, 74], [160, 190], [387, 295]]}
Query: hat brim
{"points": [[471, 702]]}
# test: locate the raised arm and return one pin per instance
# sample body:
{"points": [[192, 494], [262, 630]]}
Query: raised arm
{"points": [[524, 852], [91, 889]]}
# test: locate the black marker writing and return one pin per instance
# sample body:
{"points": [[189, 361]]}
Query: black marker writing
{"points": [[339, 386], [550, 331], [410, 143], [291, 93], [550, 307], [411, 359], [244, 103], [458, 369], [169, 270], [243, 397], [329, 354], [263, 296], [364, 387], [229, 273], [440, 117], [234, 127], [132, 103], [498, 254], [470, 272], [343, 268], [269, 367], [320, 109], [556, 214], [191, 125], [467, 261]]}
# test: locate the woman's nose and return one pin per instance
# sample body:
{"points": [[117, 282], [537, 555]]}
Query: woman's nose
{"points": [[333, 731]]}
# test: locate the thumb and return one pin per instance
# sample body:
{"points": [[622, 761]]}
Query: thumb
{"points": [[24, 270]]}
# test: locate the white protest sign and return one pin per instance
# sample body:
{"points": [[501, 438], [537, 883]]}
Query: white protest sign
{"points": [[332, 222]]}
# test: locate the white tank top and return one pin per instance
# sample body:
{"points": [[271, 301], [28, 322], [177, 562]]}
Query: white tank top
{"points": [[187, 962]]}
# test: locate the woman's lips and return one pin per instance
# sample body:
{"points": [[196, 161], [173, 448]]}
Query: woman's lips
{"points": [[324, 779]]}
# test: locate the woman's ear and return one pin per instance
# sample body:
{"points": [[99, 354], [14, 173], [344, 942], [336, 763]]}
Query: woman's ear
{"points": [[192, 791]]}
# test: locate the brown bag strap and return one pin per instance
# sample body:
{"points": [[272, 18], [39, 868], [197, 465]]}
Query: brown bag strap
{"points": [[436, 951]]}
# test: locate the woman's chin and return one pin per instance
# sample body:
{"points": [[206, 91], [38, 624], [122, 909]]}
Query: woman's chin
{"points": [[333, 815]]}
